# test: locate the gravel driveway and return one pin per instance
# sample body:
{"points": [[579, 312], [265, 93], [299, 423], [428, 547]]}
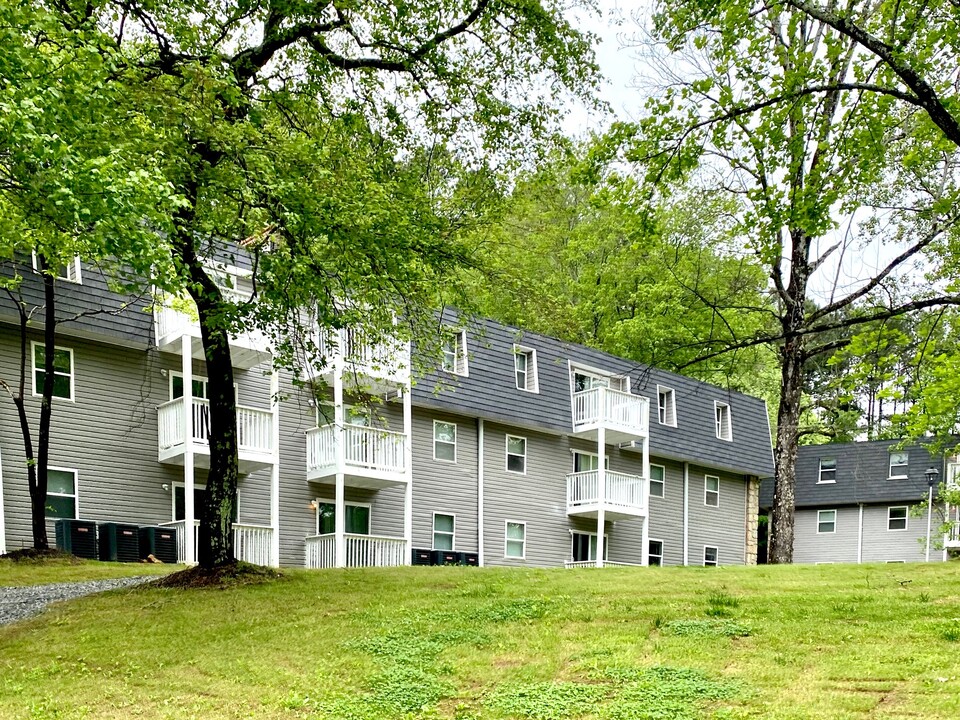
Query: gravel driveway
{"points": [[19, 603]]}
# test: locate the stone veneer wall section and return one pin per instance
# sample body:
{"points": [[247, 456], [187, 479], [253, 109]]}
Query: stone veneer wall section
{"points": [[753, 513]]}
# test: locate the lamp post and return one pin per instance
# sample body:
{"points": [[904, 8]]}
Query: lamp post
{"points": [[932, 475]]}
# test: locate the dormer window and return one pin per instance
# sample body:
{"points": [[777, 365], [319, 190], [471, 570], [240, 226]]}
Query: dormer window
{"points": [[724, 428], [899, 465], [455, 352], [666, 406], [70, 271], [828, 470], [525, 368]]}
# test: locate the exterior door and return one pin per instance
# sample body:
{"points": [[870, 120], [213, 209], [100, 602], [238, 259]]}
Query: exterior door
{"points": [[584, 547]]}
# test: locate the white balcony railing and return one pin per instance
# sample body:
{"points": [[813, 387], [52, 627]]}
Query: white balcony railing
{"points": [[176, 317], [621, 491], [361, 551], [572, 564], [254, 427], [953, 534], [610, 407], [363, 447], [385, 359], [251, 543]]}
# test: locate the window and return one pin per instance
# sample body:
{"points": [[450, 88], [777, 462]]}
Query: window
{"points": [[826, 521], [666, 406], [199, 493], [455, 352], [897, 518], [587, 462], [352, 415], [655, 553], [584, 547], [525, 367], [657, 480], [585, 381], [711, 491], [443, 531], [516, 540], [516, 454], [711, 556], [61, 494], [62, 371], [828, 470], [199, 385], [444, 443], [69, 271], [356, 515], [724, 430], [899, 464]]}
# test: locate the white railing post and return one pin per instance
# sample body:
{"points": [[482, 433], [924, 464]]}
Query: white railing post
{"points": [[189, 512], [602, 490]]}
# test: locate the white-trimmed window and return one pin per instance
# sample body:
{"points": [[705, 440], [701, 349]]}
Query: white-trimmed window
{"points": [[61, 493], [356, 517], [455, 351], [352, 415], [62, 371], [525, 368], [655, 552], [666, 406], [724, 427], [198, 383], [443, 531], [897, 518], [711, 556], [826, 522], [516, 454], [828, 470], [711, 490], [444, 443], [583, 546], [515, 540], [658, 476], [899, 464], [587, 461], [69, 271]]}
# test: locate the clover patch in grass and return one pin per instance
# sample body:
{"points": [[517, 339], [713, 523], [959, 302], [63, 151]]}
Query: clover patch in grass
{"points": [[547, 700], [707, 628]]}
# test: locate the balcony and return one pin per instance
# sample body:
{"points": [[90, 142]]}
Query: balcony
{"points": [[177, 317], [625, 495], [251, 543], [622, 415], [362, 551], [372, 458], [254, 434], [952, 539], [370, 366]]}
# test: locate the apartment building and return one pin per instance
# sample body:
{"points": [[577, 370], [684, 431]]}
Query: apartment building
{"points": [[869, 502], [523, 449]]}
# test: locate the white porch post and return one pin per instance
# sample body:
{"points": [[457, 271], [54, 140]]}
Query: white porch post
{"points": [[686, 513], [408, 473], [3, 530], [601, 486], [339, 513], [645, 535], [189, 512], [480, 492], [275, 468], [860, 535]]}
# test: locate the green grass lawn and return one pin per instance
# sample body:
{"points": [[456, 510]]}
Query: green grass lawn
{"points": [[618, 644], [48, 570]]}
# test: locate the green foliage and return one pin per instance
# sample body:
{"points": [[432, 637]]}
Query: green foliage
{"points": [[707, 628], [547, 701]]}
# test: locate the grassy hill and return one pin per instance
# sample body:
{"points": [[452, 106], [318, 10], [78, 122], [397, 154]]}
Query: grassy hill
{"points": [[878, 641]]}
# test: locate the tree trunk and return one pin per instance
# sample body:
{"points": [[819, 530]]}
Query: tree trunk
{"points": [[780, 541]]}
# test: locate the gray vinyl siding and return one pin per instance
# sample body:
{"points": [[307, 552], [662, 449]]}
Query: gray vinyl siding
{"points": [[723, 527], [882, 545], [666, 513], [811, 547], [445, 487]]}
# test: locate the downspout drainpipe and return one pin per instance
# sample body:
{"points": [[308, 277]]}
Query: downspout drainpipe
{"points": [[480, 491], [686, 513]]}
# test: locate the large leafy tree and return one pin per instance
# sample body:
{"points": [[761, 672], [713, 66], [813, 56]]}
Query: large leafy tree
{"points": [[783, 108], [246, 101], [73, 182]]}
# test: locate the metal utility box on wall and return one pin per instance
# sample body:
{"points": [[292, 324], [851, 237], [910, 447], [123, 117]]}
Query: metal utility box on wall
{"points": [[77, 537], [119, 543], [160, 542]]}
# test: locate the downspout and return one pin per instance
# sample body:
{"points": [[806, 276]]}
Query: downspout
{"points": [[275, 468], [686, 513], [480, 492]]}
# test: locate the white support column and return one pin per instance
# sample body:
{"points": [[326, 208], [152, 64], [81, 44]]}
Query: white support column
{"points": [[189, 512], [408, 472], [686, 513], [601, 489], [3, 530], [480, 492], [275, 468], [339, 513], [645, 535], [860, 536]]}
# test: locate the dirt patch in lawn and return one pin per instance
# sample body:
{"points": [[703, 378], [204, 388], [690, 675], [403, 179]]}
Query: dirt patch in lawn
{"points": [[32, 555]]}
